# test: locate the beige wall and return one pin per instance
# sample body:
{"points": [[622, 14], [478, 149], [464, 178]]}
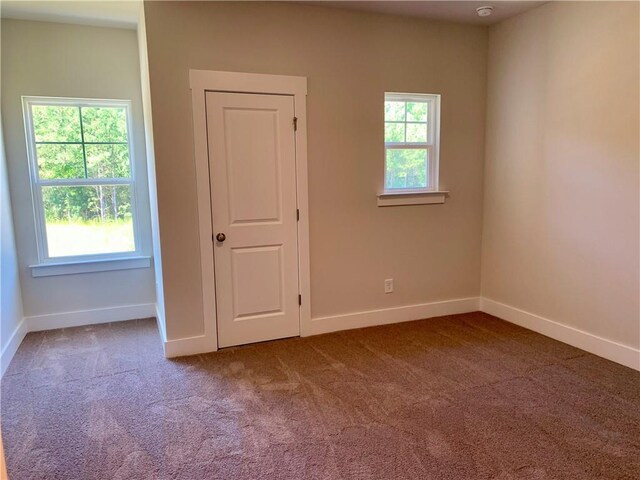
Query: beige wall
{"points": [[561, 218], [350, 59], [10, 295], [151, 171], [54, 59]]}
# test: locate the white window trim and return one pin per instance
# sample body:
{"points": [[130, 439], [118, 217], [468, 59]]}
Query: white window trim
{"points": [[80, 263], [105, 265], [411, 198], [418, 196]]}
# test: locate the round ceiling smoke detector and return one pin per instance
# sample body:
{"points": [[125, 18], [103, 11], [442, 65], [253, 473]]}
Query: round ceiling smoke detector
{"points": [[484, 11]]}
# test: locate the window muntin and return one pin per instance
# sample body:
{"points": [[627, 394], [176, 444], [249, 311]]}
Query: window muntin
{"points": [[411, 134], [82, 178]]}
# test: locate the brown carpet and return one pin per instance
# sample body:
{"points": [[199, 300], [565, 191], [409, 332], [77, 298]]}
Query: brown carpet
{"points": [[459, 397]]}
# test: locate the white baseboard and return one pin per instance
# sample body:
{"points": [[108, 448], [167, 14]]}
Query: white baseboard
{"points": [[616, 352], [386, 316], [603, 347], [204, 344], [89, 317], [12, 345], [189, 346]]}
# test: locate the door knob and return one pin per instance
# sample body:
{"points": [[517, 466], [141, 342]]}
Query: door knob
{"points": [[221, 237]]}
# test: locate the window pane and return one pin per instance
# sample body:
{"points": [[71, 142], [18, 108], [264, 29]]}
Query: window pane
{"points": [[88, 220], [406, 168], [108, 161], [394, 132], [56, 124], [417, 111], [394, 111], [104, 124], [60, 161], [416, 132]]}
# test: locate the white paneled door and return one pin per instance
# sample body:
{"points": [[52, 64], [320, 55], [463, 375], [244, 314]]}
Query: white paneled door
{"points": [[252, 160]]}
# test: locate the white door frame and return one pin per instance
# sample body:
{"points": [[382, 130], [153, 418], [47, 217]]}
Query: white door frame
{"points": [[200, 82]]}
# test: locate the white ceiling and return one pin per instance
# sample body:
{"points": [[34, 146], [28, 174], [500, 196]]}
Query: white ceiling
{"points": [[121, 13], [124, 13], [453, 10]]}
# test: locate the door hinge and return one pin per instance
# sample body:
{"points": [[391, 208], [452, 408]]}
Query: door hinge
{"points": [[299, 299], [295, 124], [297, 214]]}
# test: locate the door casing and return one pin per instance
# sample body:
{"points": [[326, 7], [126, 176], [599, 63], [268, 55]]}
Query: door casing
{"points": [[202, 81]]}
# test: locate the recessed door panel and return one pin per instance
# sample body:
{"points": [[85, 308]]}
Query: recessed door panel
{"points": [[252, 166], [253, 194], [257, 281]]}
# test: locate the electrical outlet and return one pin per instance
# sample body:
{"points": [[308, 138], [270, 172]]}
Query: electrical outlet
{"points": [[388, 285]]}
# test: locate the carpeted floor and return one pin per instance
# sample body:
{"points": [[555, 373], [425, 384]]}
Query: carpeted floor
{"points": [[459, 397]]}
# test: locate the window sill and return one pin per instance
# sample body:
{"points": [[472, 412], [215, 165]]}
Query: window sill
{"points": [[393, 199], [73, 267]]}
